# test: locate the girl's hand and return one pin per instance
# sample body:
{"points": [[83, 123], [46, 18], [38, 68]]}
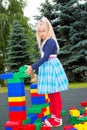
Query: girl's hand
{"points": [[29, 69]]}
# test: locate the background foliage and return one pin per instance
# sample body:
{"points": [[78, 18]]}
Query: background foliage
{"points": [[69, 20]]}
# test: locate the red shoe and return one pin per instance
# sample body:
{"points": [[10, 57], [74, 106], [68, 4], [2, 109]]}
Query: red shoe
{"points": [[57, 122], [51, 122], [57, 119]]}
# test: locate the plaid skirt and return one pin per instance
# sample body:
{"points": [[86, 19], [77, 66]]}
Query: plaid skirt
{"points": [[51, 77]]}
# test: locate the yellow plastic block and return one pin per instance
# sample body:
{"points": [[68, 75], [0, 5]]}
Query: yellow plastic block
{"points": [[85, 123], [47, 98], [75, 112], [47, 111], [33, 90], [16, 99], [85, 128], [79, 126], [85, 108]]}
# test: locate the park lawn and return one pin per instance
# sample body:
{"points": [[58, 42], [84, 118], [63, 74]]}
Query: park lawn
{"points": [[78, 85], [71, 86]]}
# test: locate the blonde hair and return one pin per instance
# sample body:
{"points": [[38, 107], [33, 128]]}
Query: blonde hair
{"points": [[51, 34]]}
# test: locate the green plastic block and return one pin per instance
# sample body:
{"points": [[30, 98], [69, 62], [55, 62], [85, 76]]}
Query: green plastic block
{"points": [[82, 111], [33, 110], [15, 80], [38, 125], [37, 108], [26, 121], [41, 106], [38, 120], [73, 120], [20, 75], [83, 119], [78, 121], [22, 69], [63, 113]]}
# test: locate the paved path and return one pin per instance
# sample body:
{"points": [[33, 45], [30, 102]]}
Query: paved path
{"points": [[71, 98]]}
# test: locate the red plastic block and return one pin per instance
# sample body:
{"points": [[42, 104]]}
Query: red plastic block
{"points": [[12, 123], [47, 100], [43, 109], [67, 127], [84, 103], [72, 108], [45, 128], [36, 94], [15, 128], [22, 128], [16, 116], [31, 127], [17, 103], [27, 127], [40, 115]]}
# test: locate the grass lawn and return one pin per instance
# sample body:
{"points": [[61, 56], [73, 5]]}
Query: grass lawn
{"points": [[71, 85], [78, 85]]}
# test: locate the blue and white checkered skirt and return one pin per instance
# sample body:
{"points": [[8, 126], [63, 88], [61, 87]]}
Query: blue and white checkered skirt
{"points": [[52, 77]]}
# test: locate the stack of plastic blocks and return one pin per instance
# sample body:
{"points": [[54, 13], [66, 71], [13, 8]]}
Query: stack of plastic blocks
{"points": [[19, 117], [78, 119], [39, 110]]}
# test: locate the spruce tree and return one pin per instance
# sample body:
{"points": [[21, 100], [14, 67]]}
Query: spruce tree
{"points": [[17, 47], [73, 38], [78, 37]]}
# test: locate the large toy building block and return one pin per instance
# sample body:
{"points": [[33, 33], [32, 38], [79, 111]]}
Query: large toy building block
{"points": [[75, 112], [84, 103], [68, 127], [45, 128]]}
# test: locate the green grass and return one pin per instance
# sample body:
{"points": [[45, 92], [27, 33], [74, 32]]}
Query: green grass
{"points": [[71, 85], [78, 85], [3, 89]]}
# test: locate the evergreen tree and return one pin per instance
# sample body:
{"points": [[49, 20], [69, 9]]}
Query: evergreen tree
{"points": [[10, 10], [78, 37], [17, 48], [73, 39]]}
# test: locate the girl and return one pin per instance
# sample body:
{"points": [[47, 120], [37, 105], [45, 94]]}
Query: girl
{"points": [[51, 76]]}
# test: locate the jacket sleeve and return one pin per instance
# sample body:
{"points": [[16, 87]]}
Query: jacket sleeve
{"points": [[47, 52]]}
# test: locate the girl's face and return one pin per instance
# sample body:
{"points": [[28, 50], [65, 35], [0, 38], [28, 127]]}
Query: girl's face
{"points": [[43, 31]]}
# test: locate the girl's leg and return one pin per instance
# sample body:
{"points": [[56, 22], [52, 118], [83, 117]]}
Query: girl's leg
{"points": [[55, 104], [55, 109], [52, 103], [58, 104]]}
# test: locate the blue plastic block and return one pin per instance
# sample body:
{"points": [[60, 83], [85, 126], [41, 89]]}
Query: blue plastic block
{"points": [[38, 100], [8, 128], [43, 118], [32, 117], [16, 89], [8, 75], [72, 129], [17, 108], [33, 86]]}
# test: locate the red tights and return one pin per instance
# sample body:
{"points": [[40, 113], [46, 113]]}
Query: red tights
{"points": [[55, 104]]}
